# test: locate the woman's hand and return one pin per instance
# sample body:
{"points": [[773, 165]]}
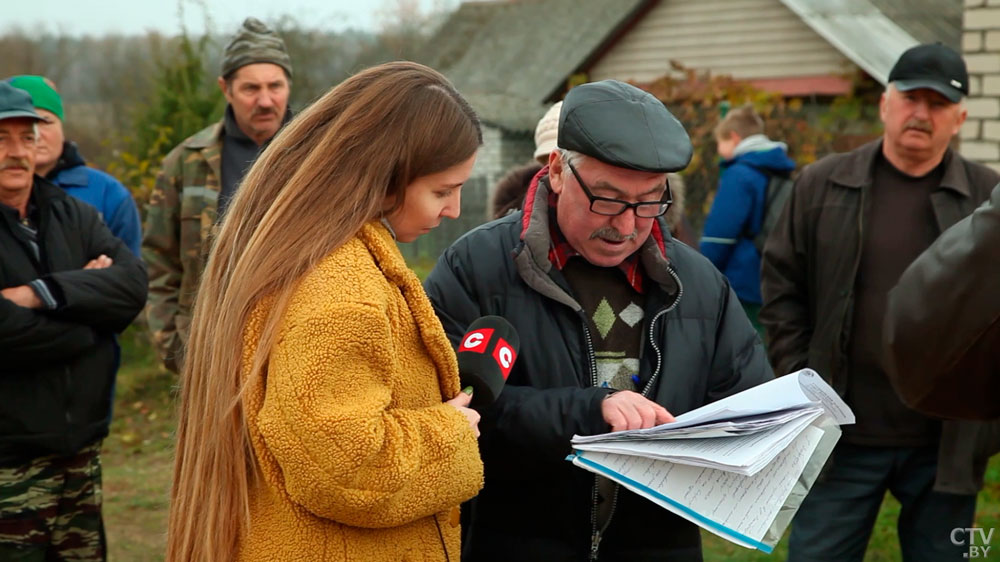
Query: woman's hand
{"points": [[461, 403]]}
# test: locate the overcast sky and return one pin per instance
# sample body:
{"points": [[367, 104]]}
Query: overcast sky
{"points": [[100, 17]]}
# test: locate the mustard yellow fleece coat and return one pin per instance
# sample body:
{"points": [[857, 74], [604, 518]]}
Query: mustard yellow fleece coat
{"points": [[360, 458]]}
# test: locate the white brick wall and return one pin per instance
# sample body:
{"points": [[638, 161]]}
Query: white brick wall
{"points": [[981, 49], [489, 160]]}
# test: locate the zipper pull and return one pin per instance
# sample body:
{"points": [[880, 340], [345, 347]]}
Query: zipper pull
{"points": [[595, 544]]}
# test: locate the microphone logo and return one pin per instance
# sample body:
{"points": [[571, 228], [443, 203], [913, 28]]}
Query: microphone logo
{"points": [[476, 341], [505, 356]]}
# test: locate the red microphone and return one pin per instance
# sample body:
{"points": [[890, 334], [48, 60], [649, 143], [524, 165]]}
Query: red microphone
{"points": [[486, 355]]}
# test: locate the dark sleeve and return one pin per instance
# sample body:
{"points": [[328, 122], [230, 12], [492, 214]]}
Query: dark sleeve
{"points": [[104, 299], [526, 423], [785, 313], [740, 361], [942, 327], [31, 338]]}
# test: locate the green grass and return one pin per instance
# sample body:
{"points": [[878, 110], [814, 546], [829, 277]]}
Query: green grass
{"points": [[138, 454], [137, 459], [422, 267]]}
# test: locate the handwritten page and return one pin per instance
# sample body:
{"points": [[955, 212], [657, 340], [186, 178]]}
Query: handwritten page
{"points": [[739, 508]]}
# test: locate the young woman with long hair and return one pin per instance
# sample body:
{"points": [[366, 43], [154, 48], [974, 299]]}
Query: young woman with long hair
{"points": [[320, 412]]}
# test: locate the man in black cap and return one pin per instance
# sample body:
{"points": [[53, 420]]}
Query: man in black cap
{"points": [[854, 222], [67, 286], [619, 326], [200, 177]]}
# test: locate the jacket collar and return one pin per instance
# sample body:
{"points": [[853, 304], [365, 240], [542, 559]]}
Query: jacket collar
{"points": [[214, 133], [43, 190], [67, 168], [71, 170], [380, 243], [858, 168]]}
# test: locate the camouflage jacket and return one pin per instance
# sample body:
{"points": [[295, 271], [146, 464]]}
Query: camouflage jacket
{"points": [[179, 221]]}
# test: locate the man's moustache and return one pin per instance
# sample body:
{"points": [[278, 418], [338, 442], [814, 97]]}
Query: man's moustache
{"points": [[609, 233], [918, 125], [11, 162]]}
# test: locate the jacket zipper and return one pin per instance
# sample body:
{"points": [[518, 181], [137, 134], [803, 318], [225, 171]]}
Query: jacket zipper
{"points": [[848, 305], [597, 535]]}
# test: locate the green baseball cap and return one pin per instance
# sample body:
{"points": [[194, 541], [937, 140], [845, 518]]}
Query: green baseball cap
{"points": [[15, 102], [43, 95]]}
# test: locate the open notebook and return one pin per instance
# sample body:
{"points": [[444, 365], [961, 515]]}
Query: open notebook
{"points": [[738, 467]]}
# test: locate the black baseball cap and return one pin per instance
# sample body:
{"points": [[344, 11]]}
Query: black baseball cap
{"points": [[936, 67], [15, 102], [623, 126]]}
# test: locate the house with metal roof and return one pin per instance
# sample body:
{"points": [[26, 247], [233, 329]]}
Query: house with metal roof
{"points": [[514, 58]]}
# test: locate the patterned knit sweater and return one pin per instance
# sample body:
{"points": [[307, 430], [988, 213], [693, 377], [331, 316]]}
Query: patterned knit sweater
{"points": [[360, 458]]}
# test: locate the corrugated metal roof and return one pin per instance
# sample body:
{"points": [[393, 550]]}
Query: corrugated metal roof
{"points": [[927, 21], [507, 58], [873, 33]]}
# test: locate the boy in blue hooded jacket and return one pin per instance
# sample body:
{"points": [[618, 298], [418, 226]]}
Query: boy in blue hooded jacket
{"points": [[749, 161]]}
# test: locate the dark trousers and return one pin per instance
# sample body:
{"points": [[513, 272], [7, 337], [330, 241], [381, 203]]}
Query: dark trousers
{"points": [[835, 521]]}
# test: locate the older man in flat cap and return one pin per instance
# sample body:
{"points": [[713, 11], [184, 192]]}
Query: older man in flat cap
{"points": [[619, 324], [201, 175]]}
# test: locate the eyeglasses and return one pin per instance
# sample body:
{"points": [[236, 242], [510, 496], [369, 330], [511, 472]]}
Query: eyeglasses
{"points": [[613, 207]]}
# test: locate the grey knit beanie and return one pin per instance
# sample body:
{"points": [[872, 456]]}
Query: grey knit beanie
{"points": [[253, 43]]}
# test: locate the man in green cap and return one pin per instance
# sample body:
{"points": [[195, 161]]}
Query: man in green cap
{"points": [[60, 162], [626, 326], [67, 286], [200, 176]]}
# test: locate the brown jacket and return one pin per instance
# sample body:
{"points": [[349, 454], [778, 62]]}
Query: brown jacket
{"points": [[809, 271], [942, 326]]}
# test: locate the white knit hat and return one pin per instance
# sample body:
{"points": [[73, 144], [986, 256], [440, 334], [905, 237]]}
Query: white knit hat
{"points": [[546, 132]]}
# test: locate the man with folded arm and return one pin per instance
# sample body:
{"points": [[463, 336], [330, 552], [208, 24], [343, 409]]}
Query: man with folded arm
{"points": [[67, 286]]}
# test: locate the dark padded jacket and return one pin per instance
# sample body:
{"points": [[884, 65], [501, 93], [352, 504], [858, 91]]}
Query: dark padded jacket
{"points": [[57, 366], [810, 268], [942, 327], [698, 346]]}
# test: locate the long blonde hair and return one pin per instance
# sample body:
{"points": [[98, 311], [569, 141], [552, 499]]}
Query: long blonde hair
{"points": [[327, 173]]}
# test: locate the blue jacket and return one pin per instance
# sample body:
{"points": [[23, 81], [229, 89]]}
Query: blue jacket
{"points": [[738, 210], [113, 201]]}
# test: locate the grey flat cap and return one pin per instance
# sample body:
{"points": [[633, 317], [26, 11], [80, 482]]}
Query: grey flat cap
{"points": [[624, 126]]}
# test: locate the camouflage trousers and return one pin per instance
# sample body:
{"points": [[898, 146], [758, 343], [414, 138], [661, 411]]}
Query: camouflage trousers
{"points": [[50, 509]]}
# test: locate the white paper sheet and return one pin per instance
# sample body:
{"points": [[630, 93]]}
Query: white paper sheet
{"points": [[743, 454], [738, 508]]}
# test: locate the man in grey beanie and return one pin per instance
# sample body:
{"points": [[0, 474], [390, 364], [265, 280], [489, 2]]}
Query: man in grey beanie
{"points": [[621, 325], [200, 176]]}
